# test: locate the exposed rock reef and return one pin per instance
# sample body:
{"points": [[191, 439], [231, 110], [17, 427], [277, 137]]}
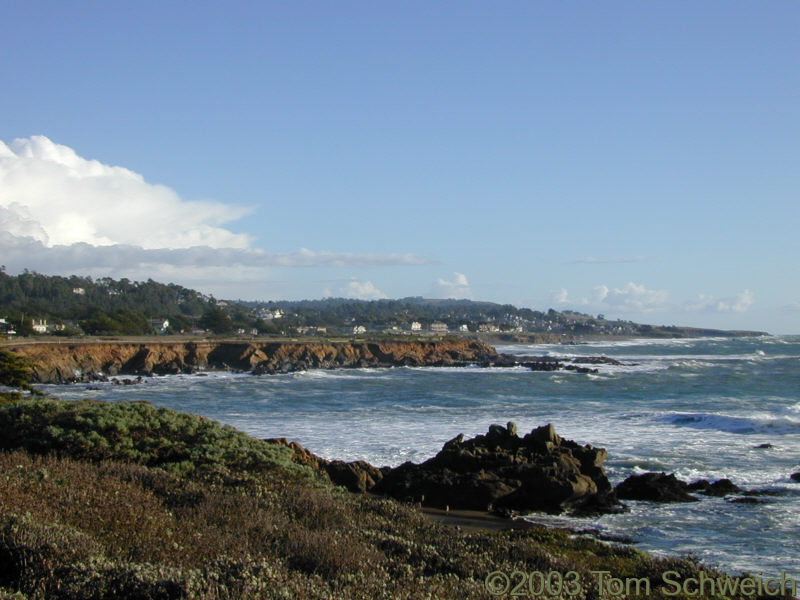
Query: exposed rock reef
{"points": [[357, 476], [64, 363], [503, 472], [660, 487], [657, 487], [551, 363], [499, 471]]}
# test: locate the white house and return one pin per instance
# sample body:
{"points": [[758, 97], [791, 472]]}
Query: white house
{"points": [[39, 325], [359, 329], [160, 325], [311, 330], [416, 326], [438, 327], [269, 313], [6, 328]]}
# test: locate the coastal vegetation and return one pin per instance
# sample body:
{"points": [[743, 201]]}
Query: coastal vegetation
{"points": [[125, 500]]}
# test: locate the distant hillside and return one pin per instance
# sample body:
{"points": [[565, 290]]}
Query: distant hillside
{"points": [[32, 303], [94, 306]]}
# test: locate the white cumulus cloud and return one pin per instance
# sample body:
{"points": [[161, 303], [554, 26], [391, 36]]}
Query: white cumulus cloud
{"points": [[52, 194], [632, 297], [457, 288], [362, 290], [560, 297], [62, 213], [738, 303]]}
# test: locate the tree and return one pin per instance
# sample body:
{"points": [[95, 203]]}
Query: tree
{"points": [[217, 320], [16, 371]]}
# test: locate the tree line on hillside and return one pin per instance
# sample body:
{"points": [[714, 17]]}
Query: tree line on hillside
{"points": [[76, 304], [81, 305]]}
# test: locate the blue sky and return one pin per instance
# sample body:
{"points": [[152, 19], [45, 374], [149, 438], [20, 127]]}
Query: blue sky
{"points": [[636, 159]]}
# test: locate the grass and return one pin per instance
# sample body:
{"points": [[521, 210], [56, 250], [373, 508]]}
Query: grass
{"points": [[126, 501]]}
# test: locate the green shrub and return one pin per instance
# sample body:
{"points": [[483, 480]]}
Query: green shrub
{"points": [[15, 371], [138, 432]]}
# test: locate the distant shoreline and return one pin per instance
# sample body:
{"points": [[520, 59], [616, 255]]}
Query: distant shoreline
{"points": [[487, 338]]}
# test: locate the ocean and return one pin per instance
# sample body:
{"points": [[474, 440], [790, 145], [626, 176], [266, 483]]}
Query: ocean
{"points": [[696, 407]]}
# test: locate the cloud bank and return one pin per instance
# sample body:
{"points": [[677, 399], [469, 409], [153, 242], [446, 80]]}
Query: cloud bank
{"points": [[458, 288], [738, 303], [62, 213], [58, 198], [636, 298], [363, 290]]}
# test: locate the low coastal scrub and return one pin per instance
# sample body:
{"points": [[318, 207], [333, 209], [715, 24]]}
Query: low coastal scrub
{"points": [[127, 501], [137, 432], [15, 372]]}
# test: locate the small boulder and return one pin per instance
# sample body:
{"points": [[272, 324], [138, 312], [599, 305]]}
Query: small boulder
{"points": [[357, 476], [721, 487], [795, 476], [656, 487]]}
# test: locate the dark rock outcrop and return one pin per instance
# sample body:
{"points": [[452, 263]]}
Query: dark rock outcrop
{"points": [[721, 487], [795, 476], [657, 487], [502, 472], [551, 363], [764, 492], [357, 476]]}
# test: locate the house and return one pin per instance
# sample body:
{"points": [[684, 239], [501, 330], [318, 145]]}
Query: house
{"points": [[463, 328], [6, 328], [359, 329], [160, 325], [268, 314], [79, 291], [309, 330], [416, 326], [39, 325], [488, 328], [438, 327]]}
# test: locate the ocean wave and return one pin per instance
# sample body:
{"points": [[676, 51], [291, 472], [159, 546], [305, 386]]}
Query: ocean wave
{"points": [[348, 373], [753, 424]]}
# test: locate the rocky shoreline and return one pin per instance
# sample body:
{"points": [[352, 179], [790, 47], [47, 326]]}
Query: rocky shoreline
{"points": [[86, 362], [499, 472], [99, 361], [504, 475]]}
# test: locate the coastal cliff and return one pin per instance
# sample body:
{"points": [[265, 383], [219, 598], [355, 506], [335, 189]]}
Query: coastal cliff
{"points": [[64, 363]]}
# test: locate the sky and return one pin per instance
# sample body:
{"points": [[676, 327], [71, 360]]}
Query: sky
{"points": [[639, 160]]}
